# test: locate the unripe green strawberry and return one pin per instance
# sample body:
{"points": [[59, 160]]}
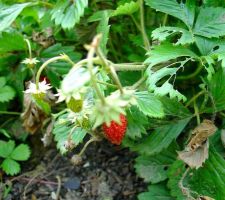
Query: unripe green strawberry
{"points": [[115, 132], [75, 104]]}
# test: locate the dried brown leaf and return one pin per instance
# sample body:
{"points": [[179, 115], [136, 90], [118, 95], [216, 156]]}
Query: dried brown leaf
{"points": [[196, 152], [195, 158], [33, 117], [201, 133]]}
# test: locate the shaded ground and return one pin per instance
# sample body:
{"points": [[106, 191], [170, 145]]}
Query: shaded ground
{"points": [[106, 173]]}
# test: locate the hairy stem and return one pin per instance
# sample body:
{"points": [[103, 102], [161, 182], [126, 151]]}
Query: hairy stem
{"points": [[90, 56], [61, 57], [143, 31], [9, 113]]}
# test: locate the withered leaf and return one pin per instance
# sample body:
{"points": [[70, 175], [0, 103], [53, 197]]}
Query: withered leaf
{"points": [[195, 158], [201, 133], [33, 117], [196, 152]]}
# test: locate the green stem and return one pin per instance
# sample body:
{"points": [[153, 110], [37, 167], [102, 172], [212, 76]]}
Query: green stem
{"points": [[143, 31], [61, 57], [111, 69], [128, 67], [9, 113], [29, 48], [192, 75], [107, 84], [94, 139], [165, 19], [90, 56], [136, 23], [81, 63], [55, 116], [194, 98], [138, 83]]}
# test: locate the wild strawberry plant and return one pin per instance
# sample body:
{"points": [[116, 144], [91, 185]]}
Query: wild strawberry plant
{"points": [[148, 74]]}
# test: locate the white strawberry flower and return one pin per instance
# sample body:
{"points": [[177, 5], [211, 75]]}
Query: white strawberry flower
{"points": [[30, 61], [43, 87]]}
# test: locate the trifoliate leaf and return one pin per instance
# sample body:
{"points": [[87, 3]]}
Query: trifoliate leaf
{"points": [[156, 192], [10, 167], [6, 148], [126, 9], [9, 13], [210, 22], [178, 9], [164, 32], [21, 153], [149, 104]]}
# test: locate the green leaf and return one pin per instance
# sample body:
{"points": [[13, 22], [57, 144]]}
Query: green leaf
{"points": [[165, 52], [184, 12], [173, 108], [65, 131], [166, 88], [164, 32], [210, 22], [7, 93], [6, 148], [5, 133], [217, 89], [12, 42], [154, 168], [156, 192], [210, 179], [43, 105], [2, 81], [126, 9], [160, 138], [103, 26], [67, 14], [78, 135], [9, 13], [21, 153], [137, 122], [149, 104], [214, 3], [10, 167]]}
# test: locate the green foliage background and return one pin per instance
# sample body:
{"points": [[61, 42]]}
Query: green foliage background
{"points": [[180, 43]]}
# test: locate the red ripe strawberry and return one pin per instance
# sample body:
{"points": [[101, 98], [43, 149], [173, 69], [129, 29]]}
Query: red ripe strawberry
{"points": [[115, 132]]}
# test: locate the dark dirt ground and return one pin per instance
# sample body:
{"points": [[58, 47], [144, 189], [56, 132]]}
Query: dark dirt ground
{"points": [[106, 173]]}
